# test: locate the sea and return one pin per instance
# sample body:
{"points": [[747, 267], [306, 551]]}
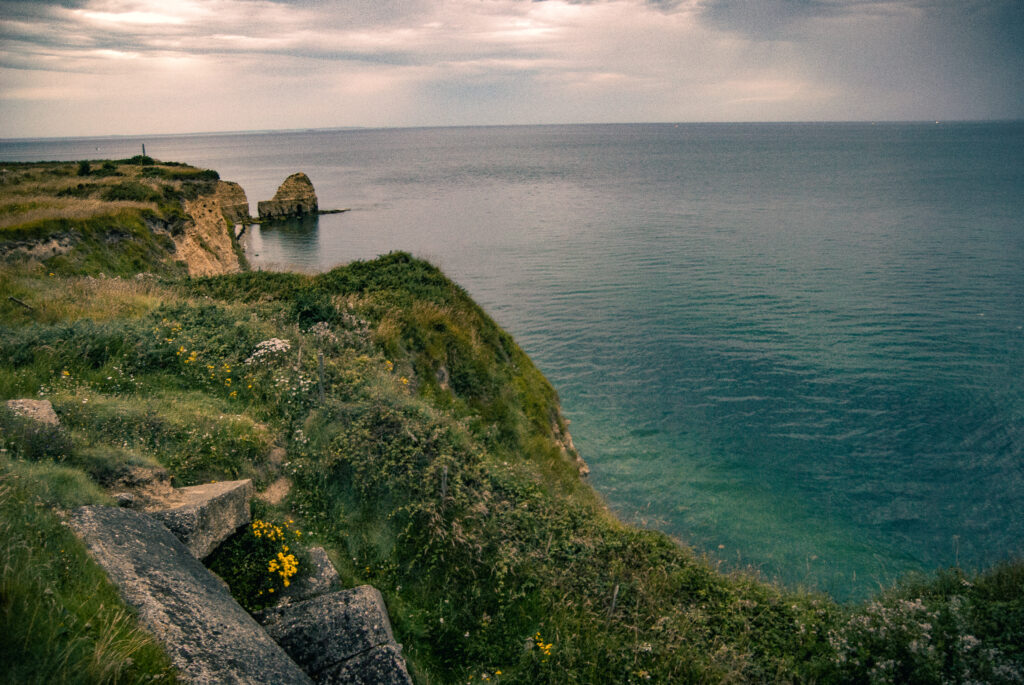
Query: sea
{"points": [[797, 348]]}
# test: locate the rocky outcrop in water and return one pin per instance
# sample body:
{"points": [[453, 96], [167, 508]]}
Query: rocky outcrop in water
{"points": [[234, 205], [294, 198]]}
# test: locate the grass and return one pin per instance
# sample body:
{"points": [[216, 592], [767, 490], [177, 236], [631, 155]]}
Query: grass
{"points": [[63, 620], [429, 467]]}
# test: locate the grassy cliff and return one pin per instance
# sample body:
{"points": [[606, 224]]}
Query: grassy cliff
{"points": [[403, 430]]}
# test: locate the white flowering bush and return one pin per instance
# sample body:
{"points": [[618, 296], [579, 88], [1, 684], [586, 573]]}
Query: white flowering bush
{"points": [[889, 642], [900, 640], [267, 349]]}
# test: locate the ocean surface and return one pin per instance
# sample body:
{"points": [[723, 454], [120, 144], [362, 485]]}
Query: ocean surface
{"points": [[798, 347]]}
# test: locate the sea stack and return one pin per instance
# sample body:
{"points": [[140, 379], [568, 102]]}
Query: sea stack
{"points": [[294, 198]]}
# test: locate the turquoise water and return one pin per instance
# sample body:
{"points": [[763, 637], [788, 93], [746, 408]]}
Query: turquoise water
{"points": [[794, 346]]}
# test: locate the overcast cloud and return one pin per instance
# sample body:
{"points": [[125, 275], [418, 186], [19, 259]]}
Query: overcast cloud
{"points": [[83, 67]]}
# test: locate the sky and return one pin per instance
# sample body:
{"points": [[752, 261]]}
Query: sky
{"points": [[108, 67]]}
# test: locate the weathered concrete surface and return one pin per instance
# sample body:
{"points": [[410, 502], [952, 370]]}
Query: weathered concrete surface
{"points": [[382, 665], [207, 515], [37, 410], [208, 636], [322, 579], [342, 637], [234, 205], [295, 197]]}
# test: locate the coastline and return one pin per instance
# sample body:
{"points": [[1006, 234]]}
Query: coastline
{"points": [[435, 458]]}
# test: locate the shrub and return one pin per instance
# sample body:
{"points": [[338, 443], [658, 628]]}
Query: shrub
{"points": [[132, 191], [261, 561], [81, 190]]}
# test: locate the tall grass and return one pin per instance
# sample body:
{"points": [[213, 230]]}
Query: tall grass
{"points": [[62, 620]]}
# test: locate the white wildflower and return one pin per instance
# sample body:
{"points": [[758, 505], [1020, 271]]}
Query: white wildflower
{"points": [[267, 348]]}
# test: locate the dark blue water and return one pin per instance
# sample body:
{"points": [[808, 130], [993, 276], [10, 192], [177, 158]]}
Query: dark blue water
{"points": [[794, 346]]}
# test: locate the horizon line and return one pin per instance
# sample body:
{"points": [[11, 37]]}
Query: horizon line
{"points": [[328, 129]]}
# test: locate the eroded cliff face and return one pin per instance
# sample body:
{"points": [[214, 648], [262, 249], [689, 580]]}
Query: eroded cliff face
{"points": [[206, 245], [560, 432], [233, 202]]}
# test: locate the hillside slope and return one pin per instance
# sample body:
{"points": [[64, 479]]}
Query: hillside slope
{"points": [[415, 441]]}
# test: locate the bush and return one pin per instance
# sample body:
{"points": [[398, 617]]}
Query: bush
{"points": [[944, 629], [132, 191], [81, 190], [261, 561]]}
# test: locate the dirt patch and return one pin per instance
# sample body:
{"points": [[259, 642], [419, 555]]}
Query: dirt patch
{"points": [[277, 491]]}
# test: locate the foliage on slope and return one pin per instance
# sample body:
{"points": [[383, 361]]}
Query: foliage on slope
{"points": [[421, 446]]}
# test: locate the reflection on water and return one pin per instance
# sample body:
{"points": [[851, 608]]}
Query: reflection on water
{"points": [[292, 242]]}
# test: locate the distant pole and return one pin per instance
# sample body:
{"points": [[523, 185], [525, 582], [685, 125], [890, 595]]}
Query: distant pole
{"points": [[143, 149], [320, 369]]}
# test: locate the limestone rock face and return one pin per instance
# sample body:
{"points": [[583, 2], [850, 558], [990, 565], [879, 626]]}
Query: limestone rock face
{"points": [[295, 197], [206, 515], [568, 449], [342, 637], [382, 665], [234, 205], [208, 636], [205, 245], [37, 410]]}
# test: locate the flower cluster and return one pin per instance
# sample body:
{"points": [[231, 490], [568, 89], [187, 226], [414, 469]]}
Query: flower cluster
{"points": [[544, 647], [267, 348], [322, 329], [270, 531], [191, 358], [285, 565]]}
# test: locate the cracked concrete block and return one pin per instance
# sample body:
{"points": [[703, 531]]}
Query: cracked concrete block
{"points": [[206, 515], [341, 637], [323, 578], [208, 636]]}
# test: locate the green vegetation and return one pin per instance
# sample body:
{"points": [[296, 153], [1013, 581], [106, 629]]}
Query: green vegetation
{"points": [[421, 447], [63, 621], [261, 561]]}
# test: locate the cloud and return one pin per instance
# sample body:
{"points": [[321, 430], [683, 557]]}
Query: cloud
{"points": [[231, 64]]}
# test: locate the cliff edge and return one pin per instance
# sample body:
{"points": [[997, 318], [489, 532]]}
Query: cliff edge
{"points": [[206, 245], [120, 218]]}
